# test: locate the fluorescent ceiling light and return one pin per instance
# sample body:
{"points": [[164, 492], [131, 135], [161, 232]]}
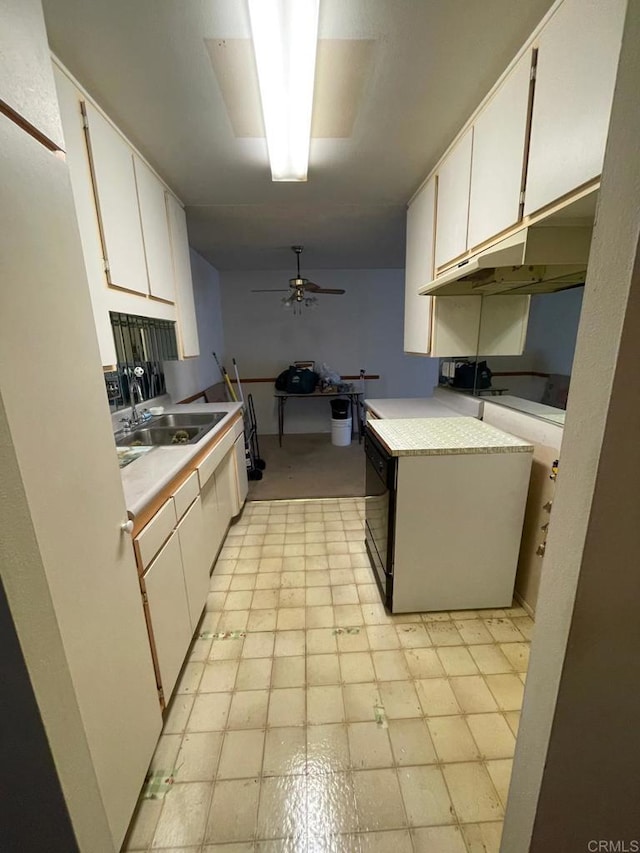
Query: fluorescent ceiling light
{"points": [[285, 38]]}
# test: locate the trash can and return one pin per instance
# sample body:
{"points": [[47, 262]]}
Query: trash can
{"points": [[339, 409], [341, 432]]}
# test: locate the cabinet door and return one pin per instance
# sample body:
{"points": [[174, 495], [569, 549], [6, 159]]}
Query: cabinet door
{"points": [[503, 324], [170, 620], [499, 140], [214, 529], [187, 325], [577, 62], [421, 220], [155, 232], [454, 179], [117, 201], [456, 325], [227, 489], [242, 481], [26, 80], [196, 561]]}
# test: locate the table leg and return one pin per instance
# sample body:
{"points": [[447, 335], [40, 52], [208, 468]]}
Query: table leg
{"points": [[280, 419]]}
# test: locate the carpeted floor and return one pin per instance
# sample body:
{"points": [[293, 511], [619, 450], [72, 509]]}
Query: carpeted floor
{"points": [[308, 466]]}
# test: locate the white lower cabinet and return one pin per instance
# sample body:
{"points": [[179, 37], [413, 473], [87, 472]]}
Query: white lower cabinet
{"points": [[167, 598], [242, 480], [196, 559], [227, 488]]}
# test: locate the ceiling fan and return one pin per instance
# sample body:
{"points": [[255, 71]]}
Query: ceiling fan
{"points": [[299, 288]]}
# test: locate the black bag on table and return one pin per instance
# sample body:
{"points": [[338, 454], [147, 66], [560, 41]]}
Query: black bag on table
{"points": [[466, 375], [297, 380]]}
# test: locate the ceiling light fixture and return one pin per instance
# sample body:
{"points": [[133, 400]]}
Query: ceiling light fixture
{"points": [[285, 38]]}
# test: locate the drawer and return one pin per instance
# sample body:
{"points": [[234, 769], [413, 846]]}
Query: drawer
{"points": [[215, 456], [153, 536], [186, 494]]}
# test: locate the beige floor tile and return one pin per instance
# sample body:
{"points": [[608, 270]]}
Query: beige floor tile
{"points": [[474, 797], [338, 553], [233, 620], [220, 583], [294, 596], [315, 548], [178, 714], [143, 825], [347, 615], [259, 644], [293, 579], [183, 816], [517, 654], [368, 593], [473, 631], [482, 837], [436, 616], [288, 672], [473, 695], [262, 620], [227, 648], [254, 674], [285, 751], [360, 701], [270, 551], [199, 651], [369, 746], [209, 712], [513, 719], [524, 624], [248, 709], [396, 840], [293, 549], [321, 641], [390, 665], [327, 748], [197, 760], [503, 630], [490, 660], [411, 742], [356, 641], [331, 806], [452, 739], [438, 839], [508, 691], [166, 753], [215, 601], [325, 705], [456, 660], [500, 772], [423, 663], [323, 669], [356, 667], [319, 578], [374, 613], [318, 596], [378, 800], [436, 697], [492, 734], [363, 575], [347, 594], [425, 796], [208, 623], [240, 583], [234, 811], [289, 643], [283, 810], [317, 564], [291, 619], [241, 756], [382, 637], [413, 636], [246, 566], [219, 676], [320, 617], [444, 634], [190, 677], [287, 707], [399, 699], [267, 592]]}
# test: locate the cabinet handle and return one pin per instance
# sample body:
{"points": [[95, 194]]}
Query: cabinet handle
{"points": [[127, 526]]}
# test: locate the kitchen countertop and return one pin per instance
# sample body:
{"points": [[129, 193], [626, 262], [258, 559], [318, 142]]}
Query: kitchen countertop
{"points": [[148, 475], [443, 436], [410, 407], [531, 407]]}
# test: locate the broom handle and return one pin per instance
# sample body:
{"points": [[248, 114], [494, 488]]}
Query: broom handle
{"points": [[235, 367], [225, 376]]}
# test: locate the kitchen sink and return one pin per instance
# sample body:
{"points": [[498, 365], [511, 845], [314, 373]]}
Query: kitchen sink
{"points": [[206, 419], [155, 436]]}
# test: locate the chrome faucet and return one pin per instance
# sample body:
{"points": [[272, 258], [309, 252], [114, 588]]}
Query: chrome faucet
{"points": [[134, 388]]}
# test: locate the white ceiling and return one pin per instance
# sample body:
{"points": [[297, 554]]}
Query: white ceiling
{"points": [[148, 64]]}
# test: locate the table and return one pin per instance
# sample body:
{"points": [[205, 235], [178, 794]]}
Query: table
{"points": [[353, 396]]}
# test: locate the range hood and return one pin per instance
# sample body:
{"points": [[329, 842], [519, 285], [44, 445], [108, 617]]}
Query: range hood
{"points": [[536, 259]]}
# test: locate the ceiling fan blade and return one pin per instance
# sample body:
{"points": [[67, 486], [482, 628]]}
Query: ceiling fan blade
{"points": [[315, 288]]}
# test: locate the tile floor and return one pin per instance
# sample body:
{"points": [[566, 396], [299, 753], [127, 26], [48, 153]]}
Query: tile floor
{"points": [[309, 719]]}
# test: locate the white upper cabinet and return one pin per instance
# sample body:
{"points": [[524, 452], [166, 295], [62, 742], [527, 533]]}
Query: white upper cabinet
{"points": [[155, 232], [187, 326], [499, 142], [577, 62], [454, 179], [117, 203], [421, 220], [26, 79], [503, 325], [456, 325]]}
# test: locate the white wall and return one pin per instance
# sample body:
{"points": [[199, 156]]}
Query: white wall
{"points": [[361, 329], [187, 377]]}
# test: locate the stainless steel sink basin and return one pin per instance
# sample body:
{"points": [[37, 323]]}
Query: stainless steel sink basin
{"points": [[185, 419], [161, 436]]}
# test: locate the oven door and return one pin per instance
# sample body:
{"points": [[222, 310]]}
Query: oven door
{"points": [[380, 513]]}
